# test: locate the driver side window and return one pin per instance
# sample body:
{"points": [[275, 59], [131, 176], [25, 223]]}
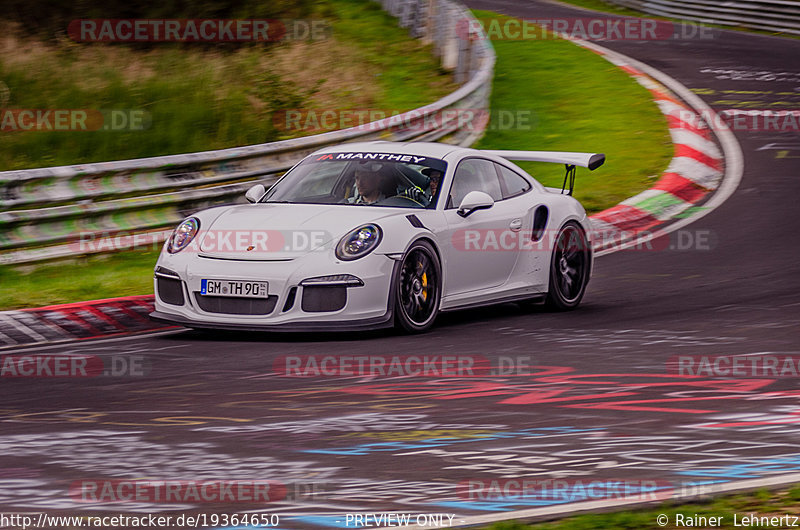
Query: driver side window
{"points": [[474, 174]]}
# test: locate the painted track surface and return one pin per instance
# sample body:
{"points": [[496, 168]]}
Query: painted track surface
{"points": [[601, 403]]}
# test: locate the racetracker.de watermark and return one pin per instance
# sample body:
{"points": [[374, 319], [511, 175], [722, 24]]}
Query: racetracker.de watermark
{"points": [[470, 119], [58, 366], [197, 30], [403, 365], [556, 491], [508, 240], [748, 120], [228, 241], [177, 491], [72, 120], [749, 365], [586, 28]]}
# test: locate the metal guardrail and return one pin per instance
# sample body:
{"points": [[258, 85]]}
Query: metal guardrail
{"points": [[768, 15], [53, 212]]}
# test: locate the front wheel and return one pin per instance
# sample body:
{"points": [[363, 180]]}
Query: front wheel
{"points": [[418, 288], [569, 268]]}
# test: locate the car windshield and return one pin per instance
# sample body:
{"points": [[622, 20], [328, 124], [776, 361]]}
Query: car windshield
{"points": [[362, 179]]}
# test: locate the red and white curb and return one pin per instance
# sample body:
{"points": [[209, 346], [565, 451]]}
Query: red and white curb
{"points": [[699, 177], [81, 320], [698, 173], [695, 171]]}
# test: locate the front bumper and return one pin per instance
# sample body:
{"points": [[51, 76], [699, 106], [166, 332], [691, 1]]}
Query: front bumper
{"points": [[367, 306]]}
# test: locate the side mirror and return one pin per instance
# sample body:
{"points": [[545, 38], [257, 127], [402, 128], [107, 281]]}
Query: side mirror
{"points": [[475, 200], [255, 193]]}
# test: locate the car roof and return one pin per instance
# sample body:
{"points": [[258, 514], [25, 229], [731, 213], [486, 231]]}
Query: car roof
{"points": [[429, 149]]}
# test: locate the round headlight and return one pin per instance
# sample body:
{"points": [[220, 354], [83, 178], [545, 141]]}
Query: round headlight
{"points": [[183, 235], [359, 242]]}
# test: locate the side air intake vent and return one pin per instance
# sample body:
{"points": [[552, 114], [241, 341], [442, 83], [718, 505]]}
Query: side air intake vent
{"points": [[539, 222]]}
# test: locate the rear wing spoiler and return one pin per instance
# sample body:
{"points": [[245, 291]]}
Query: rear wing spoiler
{"points": [[569, 159], [590, 160]]}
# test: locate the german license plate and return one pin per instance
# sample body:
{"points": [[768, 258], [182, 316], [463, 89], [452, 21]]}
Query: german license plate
{"points": [[234, 288]]}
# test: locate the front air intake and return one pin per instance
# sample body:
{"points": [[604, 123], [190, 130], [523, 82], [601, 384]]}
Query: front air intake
{"points": [[231, 305], [323, 298], [170, 291]]}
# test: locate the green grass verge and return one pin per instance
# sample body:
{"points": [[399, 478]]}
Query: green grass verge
{"points": [[201, 98], [759, 503], [579, 102], [408, 74], [88, 278]]}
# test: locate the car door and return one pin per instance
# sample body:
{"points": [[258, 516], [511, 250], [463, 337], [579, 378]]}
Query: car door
{"points": [[533, 243], [481, 252]]}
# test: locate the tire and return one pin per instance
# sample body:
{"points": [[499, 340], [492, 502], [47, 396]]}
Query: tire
{"points": [[418, 288], [570, 265]]}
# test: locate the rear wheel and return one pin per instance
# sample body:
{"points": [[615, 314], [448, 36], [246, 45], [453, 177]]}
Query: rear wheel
{"points": [[569, 268], [418, 288]]}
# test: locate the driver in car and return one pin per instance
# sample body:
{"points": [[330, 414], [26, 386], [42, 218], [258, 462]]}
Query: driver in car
{"points": [[436, 179], [368, 186]]}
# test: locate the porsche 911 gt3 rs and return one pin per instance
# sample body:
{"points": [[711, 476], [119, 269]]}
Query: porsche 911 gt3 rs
{"points": [[374, 234]]}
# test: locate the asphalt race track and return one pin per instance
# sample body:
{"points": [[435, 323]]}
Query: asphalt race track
{"points": [[600, 401]]}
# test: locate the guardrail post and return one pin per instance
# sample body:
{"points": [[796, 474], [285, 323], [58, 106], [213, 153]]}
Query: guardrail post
{"points": [[464, 39], [447, 25], [428, 33]]}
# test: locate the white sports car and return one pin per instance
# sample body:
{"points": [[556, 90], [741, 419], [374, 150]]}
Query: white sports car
{"points": [[374, 234]]}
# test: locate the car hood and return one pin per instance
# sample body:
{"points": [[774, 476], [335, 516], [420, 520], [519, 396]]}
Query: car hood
{"points": [[280, 232]]}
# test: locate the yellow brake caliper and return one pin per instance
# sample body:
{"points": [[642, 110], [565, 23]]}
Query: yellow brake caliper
{"points": [[424, 287]]}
